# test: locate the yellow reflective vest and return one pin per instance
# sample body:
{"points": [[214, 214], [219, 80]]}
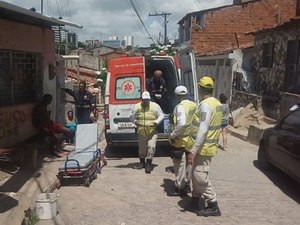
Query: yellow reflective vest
{"points": [[210, 145], [146, 118], [190, 109]]}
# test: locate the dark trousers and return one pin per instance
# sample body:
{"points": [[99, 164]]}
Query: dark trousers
{"points": [[83, 116]]}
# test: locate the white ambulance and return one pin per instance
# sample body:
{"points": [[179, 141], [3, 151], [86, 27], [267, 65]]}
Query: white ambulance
{"points": [[126, 80]]}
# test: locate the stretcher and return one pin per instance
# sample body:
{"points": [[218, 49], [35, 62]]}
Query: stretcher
{"points": [[84, 163]]}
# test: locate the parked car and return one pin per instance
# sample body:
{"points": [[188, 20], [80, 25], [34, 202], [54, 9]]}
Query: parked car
{"points": [[280, 145]]}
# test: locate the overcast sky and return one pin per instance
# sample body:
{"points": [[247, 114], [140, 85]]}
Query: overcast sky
{"points": [[103, 18]]}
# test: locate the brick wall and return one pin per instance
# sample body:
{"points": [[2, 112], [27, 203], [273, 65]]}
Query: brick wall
{"points": [[225, 27]]}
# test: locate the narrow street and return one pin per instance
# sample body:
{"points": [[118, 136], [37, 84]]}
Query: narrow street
{"points": [[123, 195]]}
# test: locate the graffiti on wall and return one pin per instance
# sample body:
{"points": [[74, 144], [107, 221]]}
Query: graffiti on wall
{"points": [[10, 123], [15, 124]]}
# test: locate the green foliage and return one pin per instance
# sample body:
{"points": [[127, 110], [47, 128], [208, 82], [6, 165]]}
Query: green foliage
{"points": [[33, 219], [81, 45], [164, 49]]}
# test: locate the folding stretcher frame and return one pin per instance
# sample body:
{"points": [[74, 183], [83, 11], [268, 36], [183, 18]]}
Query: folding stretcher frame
{"points": [[84, 163]]}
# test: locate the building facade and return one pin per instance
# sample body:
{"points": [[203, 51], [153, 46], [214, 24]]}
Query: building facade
{"points": [[218, 37], [28, 70], [277, 54]]}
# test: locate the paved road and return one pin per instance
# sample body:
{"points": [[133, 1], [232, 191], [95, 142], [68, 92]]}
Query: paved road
{"points": [[123, 195]]}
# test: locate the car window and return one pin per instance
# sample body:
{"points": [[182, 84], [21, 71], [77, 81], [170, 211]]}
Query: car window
{"points": [[128, 88], [292, 122]]}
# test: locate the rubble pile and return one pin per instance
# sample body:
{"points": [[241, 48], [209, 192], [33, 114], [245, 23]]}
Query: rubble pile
{"points": [[244, 117]]}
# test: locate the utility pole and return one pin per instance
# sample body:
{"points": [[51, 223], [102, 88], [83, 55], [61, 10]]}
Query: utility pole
{"points": [[42, 6], [164, 15]]}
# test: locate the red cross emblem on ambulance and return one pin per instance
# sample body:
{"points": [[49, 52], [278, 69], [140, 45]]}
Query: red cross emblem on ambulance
{"points": [[128, 87]]}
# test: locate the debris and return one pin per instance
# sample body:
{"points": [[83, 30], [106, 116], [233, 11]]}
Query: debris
{"points": [[244, 117]]}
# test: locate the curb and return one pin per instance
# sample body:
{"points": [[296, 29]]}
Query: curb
{"points": [[238, 135]]}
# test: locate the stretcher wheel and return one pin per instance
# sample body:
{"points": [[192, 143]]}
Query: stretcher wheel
{"points": [[87, 182], [95, 175], [57, 184]]}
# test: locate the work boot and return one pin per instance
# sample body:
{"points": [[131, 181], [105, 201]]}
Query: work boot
{"points": [[178, 192], [141, 165], [212, 209], [194, 203], [148, 166], [151, 165]]}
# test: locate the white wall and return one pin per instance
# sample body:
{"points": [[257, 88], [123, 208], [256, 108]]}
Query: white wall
{"points": [[221, 71]]}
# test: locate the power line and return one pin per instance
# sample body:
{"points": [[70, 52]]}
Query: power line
{"points": [[151, 6], [164, 15], [136, 19], [137, 13]]}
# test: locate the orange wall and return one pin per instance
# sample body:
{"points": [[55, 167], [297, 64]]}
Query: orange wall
{"points": [[15, 124], [22, 37], [15, 121]]}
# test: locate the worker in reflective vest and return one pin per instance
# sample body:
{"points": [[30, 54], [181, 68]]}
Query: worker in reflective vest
{"points": [[204, 139], [146, 116], [179, 137]]}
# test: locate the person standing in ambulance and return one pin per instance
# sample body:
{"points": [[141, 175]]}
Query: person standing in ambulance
{"points": [[205, 132], [157, 87], [146, 116]]}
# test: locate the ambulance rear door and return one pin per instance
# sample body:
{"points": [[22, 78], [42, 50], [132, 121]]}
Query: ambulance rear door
{"points": [[188, 75], [127, 82]]}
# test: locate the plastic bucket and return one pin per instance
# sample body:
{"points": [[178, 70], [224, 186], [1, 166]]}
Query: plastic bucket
{"points": [[45, 206]]}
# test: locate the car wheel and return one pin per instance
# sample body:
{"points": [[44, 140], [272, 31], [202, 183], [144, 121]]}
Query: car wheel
{"points": [[263, 158]]}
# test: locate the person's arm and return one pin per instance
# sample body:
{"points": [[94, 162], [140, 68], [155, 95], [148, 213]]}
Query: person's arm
{"points": [[180, 123], [133, 116], [69, 91], [205, 118], [164, 89], [159, 114]]}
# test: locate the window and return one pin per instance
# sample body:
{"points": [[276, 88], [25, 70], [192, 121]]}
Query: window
{"points": [[187, 30], [20, 78], [292, 122], [298, 8], [200, 21], [128, 88], [292, 75], [268, 53]]}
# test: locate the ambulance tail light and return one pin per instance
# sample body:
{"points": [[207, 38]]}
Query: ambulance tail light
{"points": [[106, 117]]}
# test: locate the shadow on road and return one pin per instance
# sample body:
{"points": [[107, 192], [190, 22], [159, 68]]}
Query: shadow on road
{"points": [[169, 169], [286, 184], [132, 152], [188, 205], [168, 186], [121, 152], [7, 203]]}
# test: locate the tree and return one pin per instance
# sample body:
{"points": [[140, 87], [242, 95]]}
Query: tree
{"points": [[81, 45]]}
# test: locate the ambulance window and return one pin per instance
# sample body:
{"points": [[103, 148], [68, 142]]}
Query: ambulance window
{"points": [[128, 88]]}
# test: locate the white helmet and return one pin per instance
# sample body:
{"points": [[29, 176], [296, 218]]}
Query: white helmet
{"points": [[181, 90]]}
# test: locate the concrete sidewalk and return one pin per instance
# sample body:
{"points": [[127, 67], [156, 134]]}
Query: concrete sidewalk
{"points": [[251, 135], [20, 190]]}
